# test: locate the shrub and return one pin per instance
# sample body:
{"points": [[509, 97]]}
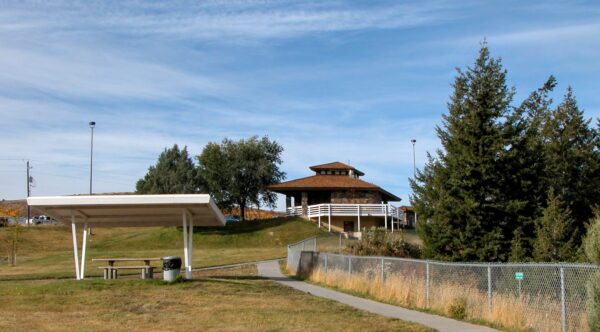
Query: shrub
{"points": [[381, 242], [458, 308]]}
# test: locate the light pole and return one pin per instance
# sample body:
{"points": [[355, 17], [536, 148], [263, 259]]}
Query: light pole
{"points": [[414, 141], [92, 125]]}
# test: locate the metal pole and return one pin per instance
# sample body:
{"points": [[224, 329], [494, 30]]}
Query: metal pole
{"points": [[382, 270], [315, 247], [83, 250], [75, 253], [563, 308], [414, 141], [427, 282], [326, 262], [340, 245], [191, 247], [185, 241], [489, 293], [28, 193], [92, 124], [349, 265]]}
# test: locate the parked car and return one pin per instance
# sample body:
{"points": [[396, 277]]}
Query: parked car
{"points": [[231, 218], [43, 220]]}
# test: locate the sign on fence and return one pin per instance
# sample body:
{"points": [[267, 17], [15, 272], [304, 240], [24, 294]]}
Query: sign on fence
{"points": [[519, 275]]}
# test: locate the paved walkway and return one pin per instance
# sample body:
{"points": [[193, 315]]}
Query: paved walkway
{"points": [[270, 269]]}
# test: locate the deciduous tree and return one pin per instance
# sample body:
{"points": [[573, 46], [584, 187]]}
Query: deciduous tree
{"points": [[237, 173]]}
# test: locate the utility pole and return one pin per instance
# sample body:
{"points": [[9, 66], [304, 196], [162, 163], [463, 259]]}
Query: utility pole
{"points": [[29, 180]]}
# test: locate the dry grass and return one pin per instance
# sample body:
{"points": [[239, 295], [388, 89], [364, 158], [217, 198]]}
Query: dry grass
{"points": [[450, 299], [228, 300]]}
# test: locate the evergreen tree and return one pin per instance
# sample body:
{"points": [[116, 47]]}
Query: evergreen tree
{"points": [[556, 233], [523, 165], [460, 192], [572, 160], [174, 173]]}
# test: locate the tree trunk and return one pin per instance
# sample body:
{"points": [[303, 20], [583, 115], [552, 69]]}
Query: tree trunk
{"points": [[242, 210]]}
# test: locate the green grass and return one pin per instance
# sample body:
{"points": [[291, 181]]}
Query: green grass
{"points": [[47, 252], [221, 301]]}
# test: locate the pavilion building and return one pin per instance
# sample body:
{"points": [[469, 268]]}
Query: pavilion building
{"points": [[337, 198]]}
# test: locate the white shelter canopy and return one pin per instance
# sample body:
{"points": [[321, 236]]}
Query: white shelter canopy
{"points": [[131, 211]]}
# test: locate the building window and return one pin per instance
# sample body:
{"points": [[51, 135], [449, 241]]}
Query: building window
{"points": [[323, 172], [329, 172]]}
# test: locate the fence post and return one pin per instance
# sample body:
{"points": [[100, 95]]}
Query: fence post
{"points": [[315, 244], [303, 245], [427, 282], [382, 270], [326, 263], [340, 245], [349, 265], [489, 282], [563, 309]]}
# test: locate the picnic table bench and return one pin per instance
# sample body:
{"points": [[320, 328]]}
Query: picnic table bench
{"points": [[111, 271]]}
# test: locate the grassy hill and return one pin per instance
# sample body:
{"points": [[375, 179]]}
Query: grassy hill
{"points": [[46, 251]]}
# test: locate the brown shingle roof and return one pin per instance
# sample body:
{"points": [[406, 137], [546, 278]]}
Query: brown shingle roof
{"points": [[336, 165], [328, 182]]}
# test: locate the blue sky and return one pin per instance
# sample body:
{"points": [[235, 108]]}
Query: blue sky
{"points": [[329, 80]]}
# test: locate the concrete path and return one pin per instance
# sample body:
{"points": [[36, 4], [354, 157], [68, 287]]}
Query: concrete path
{"points": [[270, 269]]}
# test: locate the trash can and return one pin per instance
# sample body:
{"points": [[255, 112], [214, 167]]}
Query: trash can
{"points": [[171, 268]]}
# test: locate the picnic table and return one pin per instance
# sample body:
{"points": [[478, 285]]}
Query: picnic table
{"points": [[111, 271]]}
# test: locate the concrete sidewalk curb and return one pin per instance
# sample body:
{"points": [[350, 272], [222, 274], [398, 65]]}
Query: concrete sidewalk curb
{"points": [[270, 269]]}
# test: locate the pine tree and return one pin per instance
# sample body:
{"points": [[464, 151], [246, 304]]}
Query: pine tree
{"points": [[523, 166], [174, 173], [459, 193], [556, 233], [572, 160]]}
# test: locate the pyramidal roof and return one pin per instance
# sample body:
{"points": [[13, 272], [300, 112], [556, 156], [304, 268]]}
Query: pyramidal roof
{"points": [[336, 165]]}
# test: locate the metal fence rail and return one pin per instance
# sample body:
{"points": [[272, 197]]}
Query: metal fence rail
{"points": [[543, 296]]}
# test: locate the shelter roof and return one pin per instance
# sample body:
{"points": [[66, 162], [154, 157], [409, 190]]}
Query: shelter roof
{"points": [[130, 210]]}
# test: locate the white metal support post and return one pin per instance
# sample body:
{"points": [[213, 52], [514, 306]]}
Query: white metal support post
{"points": [[329, 214], [319, 217], [185, 241], [385, 216], [191, 248], [75, 253], [83, 250]]}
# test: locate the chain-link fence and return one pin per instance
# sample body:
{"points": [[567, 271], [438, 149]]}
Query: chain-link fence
{"points": [[533, 296]]}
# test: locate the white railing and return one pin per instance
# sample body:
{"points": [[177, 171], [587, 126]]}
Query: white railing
{"points": [[364, 210]]}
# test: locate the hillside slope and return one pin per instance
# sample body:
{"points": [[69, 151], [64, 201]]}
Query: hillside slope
{"points": [[46, 251]]}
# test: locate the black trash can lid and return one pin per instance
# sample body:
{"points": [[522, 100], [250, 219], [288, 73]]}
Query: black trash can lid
{"points": [[169, 258]]}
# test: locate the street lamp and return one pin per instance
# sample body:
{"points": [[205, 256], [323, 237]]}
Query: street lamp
{"points": [[414, 141], [92, 125]]}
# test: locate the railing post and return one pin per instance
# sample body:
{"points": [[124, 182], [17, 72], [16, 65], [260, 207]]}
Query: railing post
{"points": [[385, 217], [489, 285], [427, 281], [563, 308], [329, 215]]}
